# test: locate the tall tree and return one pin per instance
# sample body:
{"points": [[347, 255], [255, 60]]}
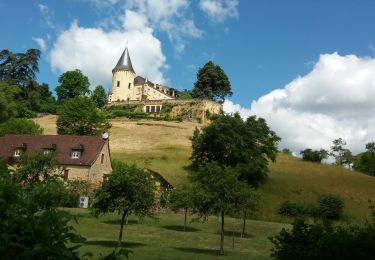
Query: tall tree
{"points": [[72, 84], [8, 104], [365, 162], [80, 116], [128, 190], [182, 198], [212, 83], [230, 141], [314, 155], [99, 96], [341, 154], [32, 227], [19, 68], [218, 192]]}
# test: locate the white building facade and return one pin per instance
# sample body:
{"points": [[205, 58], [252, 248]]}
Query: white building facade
{"points": [[126, 86]]}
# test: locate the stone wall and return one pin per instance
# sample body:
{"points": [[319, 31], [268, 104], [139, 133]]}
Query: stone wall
{"points": [[191, 109]]}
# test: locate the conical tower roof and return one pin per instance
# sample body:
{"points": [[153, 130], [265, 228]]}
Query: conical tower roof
{"points": [[124, 63]]}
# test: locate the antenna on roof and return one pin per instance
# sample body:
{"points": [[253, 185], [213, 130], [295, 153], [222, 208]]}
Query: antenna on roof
{"points": [[105, 135]]}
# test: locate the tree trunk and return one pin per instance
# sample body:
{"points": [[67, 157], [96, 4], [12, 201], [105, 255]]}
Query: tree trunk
{"points": [[126, 218], [185, 219], [119, 244], [244, 224], [222, 234]]}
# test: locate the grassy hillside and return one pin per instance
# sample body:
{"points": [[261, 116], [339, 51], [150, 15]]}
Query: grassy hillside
{"points": [[163, 238], [165, 147]]}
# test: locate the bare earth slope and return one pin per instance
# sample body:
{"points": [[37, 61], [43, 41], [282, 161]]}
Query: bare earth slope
{"points": [[165, 147]]}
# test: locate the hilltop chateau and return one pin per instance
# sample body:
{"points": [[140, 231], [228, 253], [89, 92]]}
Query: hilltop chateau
{"points": [[129, 89], [126, 86]]}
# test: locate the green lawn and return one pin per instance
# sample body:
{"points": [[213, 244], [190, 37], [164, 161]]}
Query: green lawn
{"points": [[163, 238]]}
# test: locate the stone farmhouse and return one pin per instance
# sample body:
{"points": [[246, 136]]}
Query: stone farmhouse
{"points": [[80, 157], [129, 89]]}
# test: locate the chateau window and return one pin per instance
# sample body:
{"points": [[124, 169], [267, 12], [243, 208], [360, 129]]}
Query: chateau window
{"points": [[129, 85], [102, 159], [152, 109], [66, 174], [76, 154], [157, 109], [147, 109], [17, 153], [118, 83]]}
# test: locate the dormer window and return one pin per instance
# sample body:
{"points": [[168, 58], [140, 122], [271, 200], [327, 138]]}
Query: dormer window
{"points": [[47, 151], [17, 152], [76, 154]]}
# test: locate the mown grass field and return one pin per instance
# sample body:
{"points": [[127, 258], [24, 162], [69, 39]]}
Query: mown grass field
{"points": [[163, 238], [165, 147]]}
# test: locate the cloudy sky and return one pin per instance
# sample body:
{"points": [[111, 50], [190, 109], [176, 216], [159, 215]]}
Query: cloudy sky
{"points": [[308, 67]]}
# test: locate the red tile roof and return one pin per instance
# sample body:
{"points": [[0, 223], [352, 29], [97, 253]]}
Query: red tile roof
{"points": [[90, 146]]}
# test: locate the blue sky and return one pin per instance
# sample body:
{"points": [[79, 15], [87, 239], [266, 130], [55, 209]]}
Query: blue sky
{"points": [[262, 45]]}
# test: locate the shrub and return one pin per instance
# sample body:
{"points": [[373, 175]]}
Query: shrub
{"points": [[20, 126], [330, 206], [317, 241], [292, 209], [314, 156]]}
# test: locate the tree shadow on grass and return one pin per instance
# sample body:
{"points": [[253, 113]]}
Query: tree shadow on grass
{"points": [[111, 243], [181, 228], [118, 222], [230, 233], [204, 251]]}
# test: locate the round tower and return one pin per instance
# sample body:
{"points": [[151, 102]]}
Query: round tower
{"points": [[122, 79]]}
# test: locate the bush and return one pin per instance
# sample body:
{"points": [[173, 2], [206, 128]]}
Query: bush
{"points": [[292, 209], [330, 206], [314, 156], [124, 113], [317, 241], [17, 126]]}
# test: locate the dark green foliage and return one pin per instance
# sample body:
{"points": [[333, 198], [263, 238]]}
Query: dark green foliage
{"points": [[99, 96], [330, 206], [314, 155], [18, 126], [9, 107], [217, 190], [230, 141], [292, 209], [286, 151], [182, 198], [80, 116], [19, 68], [365, 162], [185, 94], [72, 84], [340, 153], [212, 83], [128, 190], [31, 225], [324, 242], [127, 114]]}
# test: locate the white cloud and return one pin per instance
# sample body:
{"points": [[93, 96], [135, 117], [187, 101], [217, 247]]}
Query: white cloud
{"points": [[48, 16], [41, 43], [219, 10], [336, 99], [169, 16], [96, 52]]}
